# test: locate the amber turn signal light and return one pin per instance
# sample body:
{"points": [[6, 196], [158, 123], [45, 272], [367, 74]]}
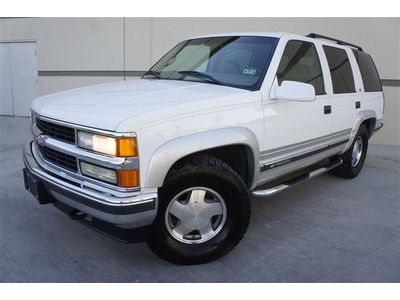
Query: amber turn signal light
{"points": [[127, 146], [128, 178]]}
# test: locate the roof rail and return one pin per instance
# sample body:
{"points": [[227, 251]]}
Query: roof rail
{"points": [[320, 36]]}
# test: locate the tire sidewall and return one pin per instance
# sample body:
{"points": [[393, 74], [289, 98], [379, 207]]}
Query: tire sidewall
{"points": [[237, 218], [362, 131]]}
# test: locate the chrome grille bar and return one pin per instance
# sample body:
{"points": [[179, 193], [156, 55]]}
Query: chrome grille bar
{"points": [[61, 159], [57, 131]]}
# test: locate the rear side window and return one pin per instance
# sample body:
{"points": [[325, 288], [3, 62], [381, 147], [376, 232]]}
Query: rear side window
{"points": [[369, 73], [300, 63], [340, 68]]}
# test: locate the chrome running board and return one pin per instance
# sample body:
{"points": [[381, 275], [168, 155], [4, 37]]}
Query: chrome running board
{"points": [[299, 179]]}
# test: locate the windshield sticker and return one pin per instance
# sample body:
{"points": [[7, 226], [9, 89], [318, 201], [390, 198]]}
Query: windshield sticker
{"points": [[249, 71]]}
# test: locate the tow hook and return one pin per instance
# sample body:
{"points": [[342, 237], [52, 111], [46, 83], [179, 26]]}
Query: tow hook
{"points": [[77, 215]]}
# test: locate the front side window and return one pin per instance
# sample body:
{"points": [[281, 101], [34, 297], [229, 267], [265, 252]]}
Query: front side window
{"points": [[340, 68], [238, 61], [300, 63]]}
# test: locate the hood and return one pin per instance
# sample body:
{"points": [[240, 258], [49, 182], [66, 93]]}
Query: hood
{"points": [[107, 105]]}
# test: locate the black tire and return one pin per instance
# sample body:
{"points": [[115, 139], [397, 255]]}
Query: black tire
{"points": [[209, 172], [347, 169]]}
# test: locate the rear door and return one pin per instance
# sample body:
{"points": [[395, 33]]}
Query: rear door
{"points": [[345, 87]]}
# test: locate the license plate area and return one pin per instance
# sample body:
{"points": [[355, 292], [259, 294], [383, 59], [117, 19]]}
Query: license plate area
{"points": [[36, 188]]}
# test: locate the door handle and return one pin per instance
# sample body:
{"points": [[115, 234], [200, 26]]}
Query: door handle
{"points": [[327, 109], [358, 104]]}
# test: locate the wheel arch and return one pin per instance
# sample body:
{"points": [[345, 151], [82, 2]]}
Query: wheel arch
{"points": [[370, 124], [219, 142], [367, 117]]}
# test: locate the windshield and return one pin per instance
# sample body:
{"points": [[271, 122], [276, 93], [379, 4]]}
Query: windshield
{"points": [[238, 61]]}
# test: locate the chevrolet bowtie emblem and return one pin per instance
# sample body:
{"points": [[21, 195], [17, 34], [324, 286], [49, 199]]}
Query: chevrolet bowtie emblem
{"points": [[41, 139]]}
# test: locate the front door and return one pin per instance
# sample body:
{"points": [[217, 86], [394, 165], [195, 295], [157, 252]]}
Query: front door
{"points": [[295, 132]]}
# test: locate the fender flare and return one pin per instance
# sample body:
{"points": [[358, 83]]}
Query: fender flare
{"points": [[164, 157], [359, 119]]}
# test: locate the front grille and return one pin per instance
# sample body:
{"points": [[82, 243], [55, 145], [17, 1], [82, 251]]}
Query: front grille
{"points": [[58, 158], [60, 132]]}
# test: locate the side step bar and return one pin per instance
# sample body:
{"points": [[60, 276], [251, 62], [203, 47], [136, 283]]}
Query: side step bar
{"points": [[299, 179]]}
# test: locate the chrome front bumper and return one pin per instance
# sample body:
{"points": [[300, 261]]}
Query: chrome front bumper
{"points": [[129, 212]]}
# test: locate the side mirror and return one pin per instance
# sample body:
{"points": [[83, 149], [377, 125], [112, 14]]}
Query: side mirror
{"points": [[294, 91]]}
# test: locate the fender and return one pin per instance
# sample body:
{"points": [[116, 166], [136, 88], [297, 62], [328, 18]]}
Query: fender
{"points": [[360, 117], [170, 152]]}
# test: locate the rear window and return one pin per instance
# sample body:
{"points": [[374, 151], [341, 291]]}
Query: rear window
{"points": [[340, 68], [369, 73]]}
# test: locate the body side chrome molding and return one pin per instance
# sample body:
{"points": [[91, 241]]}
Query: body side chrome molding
{"points": [[275, 173], [265, 155], [266, 167], [299, 179]]}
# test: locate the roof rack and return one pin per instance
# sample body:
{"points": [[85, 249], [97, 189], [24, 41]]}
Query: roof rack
{"points": [[320, 36]]}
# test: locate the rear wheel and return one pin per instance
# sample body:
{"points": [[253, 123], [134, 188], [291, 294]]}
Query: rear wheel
{"points": [[203, 213], [354, 157]]}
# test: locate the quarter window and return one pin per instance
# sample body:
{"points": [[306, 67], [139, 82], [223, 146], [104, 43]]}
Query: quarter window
{"points": [[340, 68], [300, 63], [369, 73]]}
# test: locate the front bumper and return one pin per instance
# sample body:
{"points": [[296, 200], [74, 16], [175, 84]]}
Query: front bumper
{"points": [[127, 212]]}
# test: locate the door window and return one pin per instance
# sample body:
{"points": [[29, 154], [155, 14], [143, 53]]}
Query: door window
{"points": [[340, 68], [300, 63]]}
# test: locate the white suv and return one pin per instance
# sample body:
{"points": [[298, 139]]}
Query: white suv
{"points": [[173, 158]]}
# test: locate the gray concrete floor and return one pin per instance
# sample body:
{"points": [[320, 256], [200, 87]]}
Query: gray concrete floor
{"points": [[325, 230]]}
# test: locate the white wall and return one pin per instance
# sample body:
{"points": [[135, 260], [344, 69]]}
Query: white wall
{"points": [[378, 36], [71, 44], [107, 45]]}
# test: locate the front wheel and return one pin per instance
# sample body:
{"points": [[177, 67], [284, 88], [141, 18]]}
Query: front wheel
{"points": [[354, 157], [203, 213]]}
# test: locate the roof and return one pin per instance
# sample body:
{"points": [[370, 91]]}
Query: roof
{"points": [[268, 34], [314, 37]]}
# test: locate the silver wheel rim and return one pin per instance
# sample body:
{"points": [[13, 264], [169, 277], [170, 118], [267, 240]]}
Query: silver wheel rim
{"points": [[357, 151], [195, 215]]}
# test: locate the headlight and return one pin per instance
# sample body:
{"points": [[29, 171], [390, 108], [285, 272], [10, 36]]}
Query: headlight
{"points": [[99, 172], [124, 178], [120, 146]]}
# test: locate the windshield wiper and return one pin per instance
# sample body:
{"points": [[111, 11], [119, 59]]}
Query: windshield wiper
{"points": [[154, 73], [201, 75]]}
